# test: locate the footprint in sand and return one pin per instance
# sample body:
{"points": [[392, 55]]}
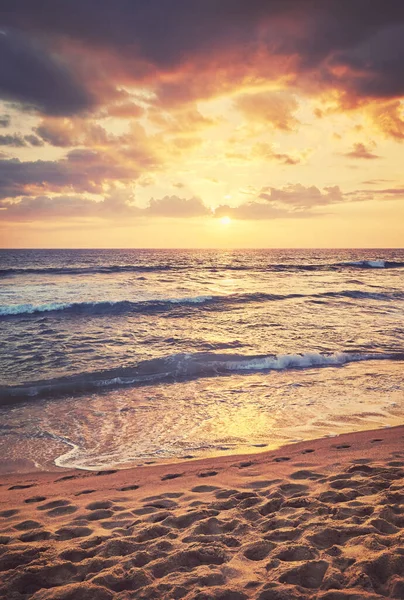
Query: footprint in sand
{"points": [[281, 458], [53, 504], [342, 446], [60, 511], [200, 489], [35, 499], [308, 451], [35, 536], [84, 492], [22, 486], [128, 488], [67, 478], [99, 504], [69, 533], [246, 464], [27, 525], [207, 474], [98, 515], [171, 476], [9, 513], [258, 550], [304, 474]]}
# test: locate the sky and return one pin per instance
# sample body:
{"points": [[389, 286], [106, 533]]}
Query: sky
{"points": [[201, 123]]}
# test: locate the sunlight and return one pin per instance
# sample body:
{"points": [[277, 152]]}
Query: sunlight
{"points": [[225, 220]]}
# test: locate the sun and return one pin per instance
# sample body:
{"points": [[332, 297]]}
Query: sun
{"points": [[225, 220]]}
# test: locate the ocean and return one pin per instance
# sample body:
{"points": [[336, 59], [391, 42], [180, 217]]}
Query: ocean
{"points": [[111, 358]]}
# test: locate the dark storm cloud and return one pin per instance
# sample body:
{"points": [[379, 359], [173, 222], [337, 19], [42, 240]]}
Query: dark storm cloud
{"points": [[36, 79], [356, 46]]}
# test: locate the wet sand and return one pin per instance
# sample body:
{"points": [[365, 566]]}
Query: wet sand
{"points": [[319, 519]]}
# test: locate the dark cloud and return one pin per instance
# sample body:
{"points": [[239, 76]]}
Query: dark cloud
{"points": [[356, 46], [33, 140], [15, 140], [361, 151], [5, 120], [18, 141], [36, 79]]}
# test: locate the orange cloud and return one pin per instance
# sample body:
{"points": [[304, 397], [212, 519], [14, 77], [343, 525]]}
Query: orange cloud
{"points": [[274, 108]]}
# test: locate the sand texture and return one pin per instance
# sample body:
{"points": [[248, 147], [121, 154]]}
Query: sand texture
{"points": [[319, 519]]}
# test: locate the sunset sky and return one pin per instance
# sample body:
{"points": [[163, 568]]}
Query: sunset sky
{"points": [[190, 123]]}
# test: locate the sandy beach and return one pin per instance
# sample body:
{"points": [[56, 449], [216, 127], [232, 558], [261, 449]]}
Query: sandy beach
{"points": [[320, 519]]}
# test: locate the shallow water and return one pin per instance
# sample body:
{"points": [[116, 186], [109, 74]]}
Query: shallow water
{"points": [[118, 357]]}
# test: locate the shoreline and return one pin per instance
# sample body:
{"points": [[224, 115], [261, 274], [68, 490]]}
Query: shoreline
{"points": [[316, 519], [223, 460]]}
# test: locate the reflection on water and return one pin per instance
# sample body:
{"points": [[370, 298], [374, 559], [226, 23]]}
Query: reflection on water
{"points": [[221, 415]]}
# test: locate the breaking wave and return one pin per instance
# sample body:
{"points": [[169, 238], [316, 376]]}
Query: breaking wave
{"points": [[180, 367], [165, 305], [362, 264]]}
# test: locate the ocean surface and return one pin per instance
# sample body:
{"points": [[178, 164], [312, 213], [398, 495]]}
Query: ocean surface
{"points": [[122, 357]]}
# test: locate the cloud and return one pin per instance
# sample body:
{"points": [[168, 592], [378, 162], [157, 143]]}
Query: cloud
{"points": [[18, 141], [389, 118], [116, 206], [71, 132], [5, 120], [33, 140], [258, 211], [265, 151], [291, 202], [15, 140], [361, 151], [80, 171], [271, 108], [173, 206], [203, 47], [125, 110], [36, 79], [362, 195], [299, 196]]}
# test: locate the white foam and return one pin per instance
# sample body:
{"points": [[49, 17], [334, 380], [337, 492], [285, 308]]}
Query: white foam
{"points": [[378, 264], [297, 361], [194, 300], [375, 264], [29, 309]]}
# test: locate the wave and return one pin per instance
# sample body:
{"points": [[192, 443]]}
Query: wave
{"points": [[85, 270], [111, 269], [180, 367], [120, 307]]}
